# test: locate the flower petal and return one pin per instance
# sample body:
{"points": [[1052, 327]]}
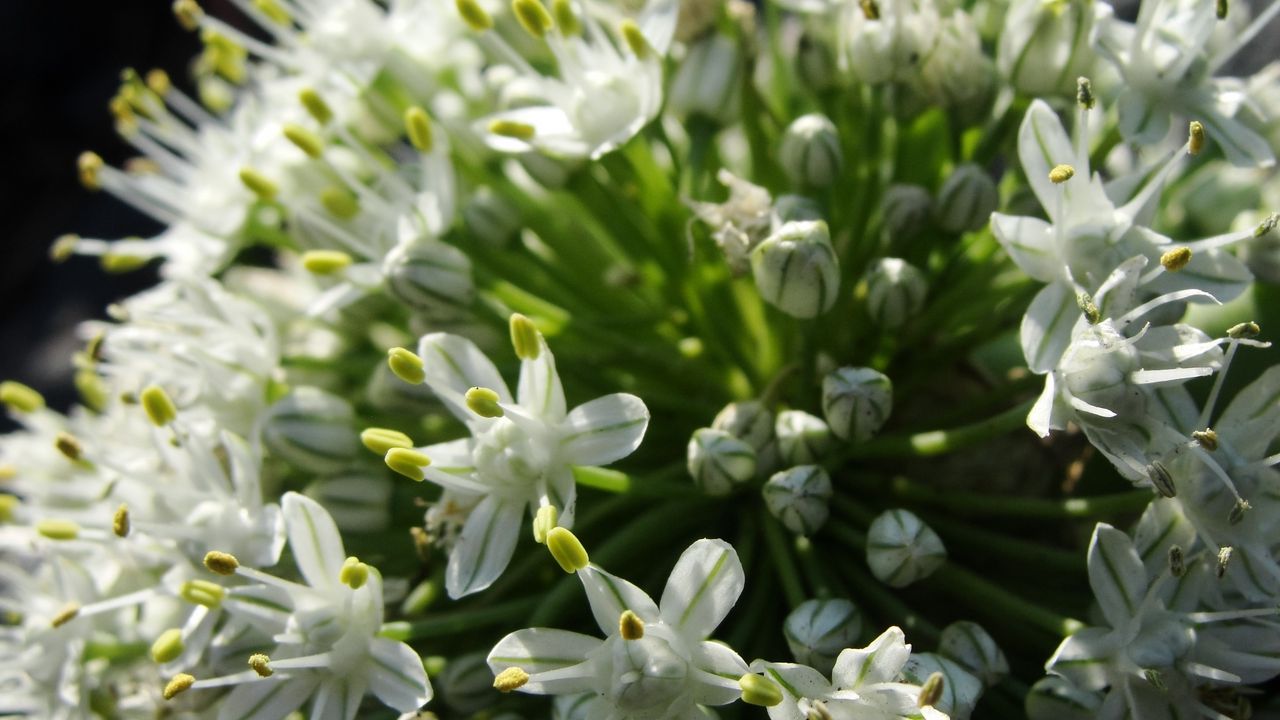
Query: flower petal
{"points": [[879, 662], [1046, 328], [610, 595], [1042, 146], [484, 548], [540, 391], [702, 588], [397, 677], [313, 539], [720, 667], [1252, 420], [267, 699], [1029, 242], [1116, 574], [454, 365], [605, 429], [538, 650], [1084, 657]]}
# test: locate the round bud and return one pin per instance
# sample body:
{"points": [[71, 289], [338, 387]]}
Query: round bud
{"points": [[1038, 36], [818, 630], [810, 153], [857, 402], [707, 83], [751, 422], [490, 218], [904, 213], [960, 690], [802, 438], [800, 498], [429, 275], [312, 429], [787, 208], [895, 292], [966, 200], [466, 685], [901, 549], [972, 647], [719, 462], [796, 269]]}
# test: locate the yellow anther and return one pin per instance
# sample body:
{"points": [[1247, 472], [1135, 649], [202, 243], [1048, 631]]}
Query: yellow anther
{"points": [[158, 82], [340, 202], [759, 690], [511, 129], [1176, 259], [63, 248], [1244, 330], [484, 402], [1206, 438], [381, 440], [20, 397], [510, 679], [417, 125], [141, 166], [1220, 9], [158, 405], [69, 446], [1224, 560], [188, 13], [407, 462], [567, 549], [7, 472], [870, 9], [305, 140], [1238, 511], [89, 165], [261, 664], [168, 646], [93, 392], [178, 685], [221, 563], [66, 614], [202, 592], [406, 365], [1195, 138], [58, 529], [931, 690], [117, 263], [473, 15], [315, 105], [354, 574], [566, 18], [120, 521], [630, 626], [525, 338], [546, 519], [273, 10], [8, 505], [258, 184], [533, 17], [634, 38], [1268, 224], [1084, 93], [1061, 173], [325, 262]]}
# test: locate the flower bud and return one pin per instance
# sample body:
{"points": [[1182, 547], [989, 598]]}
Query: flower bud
{"points": [[895, 292], [966, 200], [901, 549], [796, 269], [466, 685], [751, 422], [490, 218], [960, 690], [787, 208], [1056, 698], [428, 275], [956, 69], [802, 438], [905, 211], [312, 429], [719, 462], [708, 82], [856, 402], [818, 630], [810, 153], [1045, 46], [973, 649], [799, 497]]}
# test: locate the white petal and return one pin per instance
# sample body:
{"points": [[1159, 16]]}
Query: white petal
{"points": [[1046, 328], [1215, 271], [1242, 146], [553, 131], [396, 676], [538, 650], [1252, 420], [721, 667], [1042, 146], [1151, 377], [540, 391], [1116, 574], [1041, 417], [1140, 122], [1083, 658], [605, 429], [881, 661], [314, 540], [267, 699], [796, 681], [610, 595], [484, 548], [563, 492], [331, 700], [658, 23], [452, 457], [702, 588], [1029, 242], [1161, 526], [454, 365]]}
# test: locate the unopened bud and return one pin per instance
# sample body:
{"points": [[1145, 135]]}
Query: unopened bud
{"points": [[895, 292], [800, 498], [856, 402], [802, 438], [966, 200], [429, 275], [1176, 259], [719, 462], [810, 153], [759, 690], [567, 549], [311, 429], [819, 629], [901, 549], [970, 646], [796, 269]]}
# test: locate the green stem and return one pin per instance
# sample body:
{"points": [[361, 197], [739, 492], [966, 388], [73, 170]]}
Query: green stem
{"points": [[1033, 555], [941, 442], [870, 589], [981, 594], [813, 569], [457, 622], [784, 559], [1096, 506], [621, 483]]}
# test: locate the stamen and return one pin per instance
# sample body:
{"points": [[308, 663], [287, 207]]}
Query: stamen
{"points": [[158, 82], [178, 685], [1241, 507], [870, 9], [407, 462], [65, 615], [168, 646], [258, 183], [58, 529], [261, 664], [305, 140], [63, 248], [931, 691], [1244, 330], [1084, 93], [1177, 561], [221, 563], [566, 19], [512, 129], [381, 440], [354, 574], [188, 13], [630, 626], [339, 202], [1061, 173], [315, 106], [1207, 438], [1195, 141], [484, 402], [1224, 558], [89, 165], [8, 504], [1088, 308], [524, 337], [158, 405], [1220, 9], [1176, 259], [473, 15], [543, 522], [759, 690], [567, 549], [120, 521], [325, 262], [406, 365], [417, 125], [634, 38], [510, 679], [1161, 479], [202, 592], [273, 11], [20, 397], [1267, 225]]}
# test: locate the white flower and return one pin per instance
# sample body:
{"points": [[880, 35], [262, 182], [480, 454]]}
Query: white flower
{"points": [[655, 662], [866, 684], [741, 222], [326, 632], [522, 454]]}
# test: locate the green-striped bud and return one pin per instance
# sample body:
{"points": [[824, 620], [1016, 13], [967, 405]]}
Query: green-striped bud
{"points": [[800, 498], [802, 438], [719, 462], [311, 429], [428, 275], [901, 549], [895, 292], [796, 269], [810, 153], [856, 402], [819, 629], [973, 648], [966, 200]]}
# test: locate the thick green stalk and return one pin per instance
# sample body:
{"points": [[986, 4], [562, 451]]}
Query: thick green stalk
{"points": [[1091, 508], [784, 559], [940, 442]]}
